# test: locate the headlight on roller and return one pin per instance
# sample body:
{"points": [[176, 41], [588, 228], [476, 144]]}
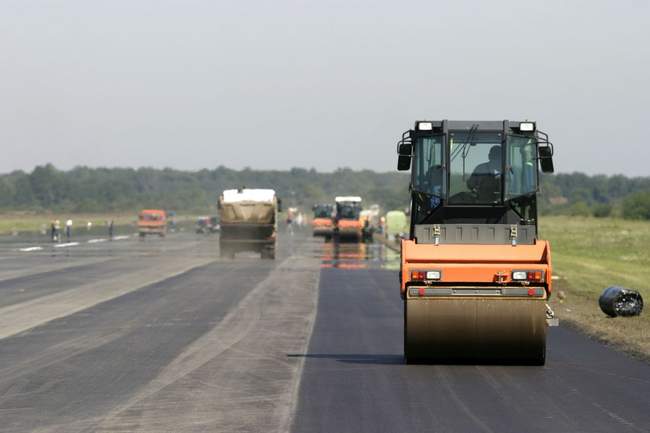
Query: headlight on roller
{"points": [[519, 275], [527, 126], [533, 276]]}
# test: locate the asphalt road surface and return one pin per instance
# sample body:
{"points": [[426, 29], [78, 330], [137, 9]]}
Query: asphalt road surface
{"points": [[164, 336]]}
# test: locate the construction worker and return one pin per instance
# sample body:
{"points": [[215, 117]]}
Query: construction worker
{"points": [[434, 180], [68, 229], [485, 180]]}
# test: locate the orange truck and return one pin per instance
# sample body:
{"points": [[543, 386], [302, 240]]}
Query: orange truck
{"points": [[348, 224], [323, 224], [474, 276], [152, 222]]}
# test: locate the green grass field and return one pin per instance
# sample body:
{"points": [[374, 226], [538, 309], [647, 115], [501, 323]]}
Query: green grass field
{"points": [[590, 254]]}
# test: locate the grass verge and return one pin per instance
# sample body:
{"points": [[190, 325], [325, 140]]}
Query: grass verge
{"points": [[589, 255]]}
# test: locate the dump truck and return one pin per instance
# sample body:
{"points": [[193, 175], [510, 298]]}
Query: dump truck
{"points": [[152, 222], [347, 220], [323, 224], [248, 221], [475, 278]]}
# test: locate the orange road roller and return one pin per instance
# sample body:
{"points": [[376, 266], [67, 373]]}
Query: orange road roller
{"points": [[323, 221], [474, 276], [348, 225]]}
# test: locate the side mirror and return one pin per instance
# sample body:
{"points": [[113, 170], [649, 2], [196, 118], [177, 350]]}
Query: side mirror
{"points": [[546, 159], [403, 163], [404, 158], [279, 205]]}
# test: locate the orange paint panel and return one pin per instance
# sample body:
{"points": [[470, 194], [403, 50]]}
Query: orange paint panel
{"points": [[321, 222], [457, 253], [472, 273], [349, 224], [475, 263]]}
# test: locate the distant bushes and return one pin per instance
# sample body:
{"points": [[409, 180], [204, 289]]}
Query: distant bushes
{"points": [[637, 206], [579, 209], [634, 206], [602, 210], [599, 196]]}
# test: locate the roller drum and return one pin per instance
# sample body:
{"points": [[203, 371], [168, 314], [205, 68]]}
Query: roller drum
{"points": [[447, 330]]}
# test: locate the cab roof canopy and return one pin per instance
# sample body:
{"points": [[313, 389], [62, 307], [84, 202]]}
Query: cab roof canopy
{"points": [[495, 125], [248, 194]]}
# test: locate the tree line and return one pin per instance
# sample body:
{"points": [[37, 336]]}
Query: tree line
{"points": [[84, 189], [577, 194]]}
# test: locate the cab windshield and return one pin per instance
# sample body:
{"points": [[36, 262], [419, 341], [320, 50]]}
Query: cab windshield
{"points": [[151, 217], [348, 211], [477, 161], [475, 167], [322, 211]]}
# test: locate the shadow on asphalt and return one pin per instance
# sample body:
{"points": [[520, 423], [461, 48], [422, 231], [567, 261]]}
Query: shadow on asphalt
{"points": [[384, 359], [351, 358]]}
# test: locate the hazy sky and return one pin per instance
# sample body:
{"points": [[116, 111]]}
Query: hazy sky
{"points": [[324, 84]]}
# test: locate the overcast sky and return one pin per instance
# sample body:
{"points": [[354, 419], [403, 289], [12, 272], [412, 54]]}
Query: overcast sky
{"points": [[324, 84]]}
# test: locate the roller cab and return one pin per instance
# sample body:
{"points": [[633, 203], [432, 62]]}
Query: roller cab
{"points": [[474, 277], [323, 222], [348, 225]]}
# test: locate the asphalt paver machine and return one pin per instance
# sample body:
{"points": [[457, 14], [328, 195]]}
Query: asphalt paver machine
{"points": [[474, 276]]}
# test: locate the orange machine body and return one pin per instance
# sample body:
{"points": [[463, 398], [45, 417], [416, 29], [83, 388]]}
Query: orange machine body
{"points": [[350, 228], [470, 265], [322, 226]]}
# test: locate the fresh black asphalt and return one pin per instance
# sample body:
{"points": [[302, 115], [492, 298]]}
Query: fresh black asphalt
{"points": [[355, 380]]}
